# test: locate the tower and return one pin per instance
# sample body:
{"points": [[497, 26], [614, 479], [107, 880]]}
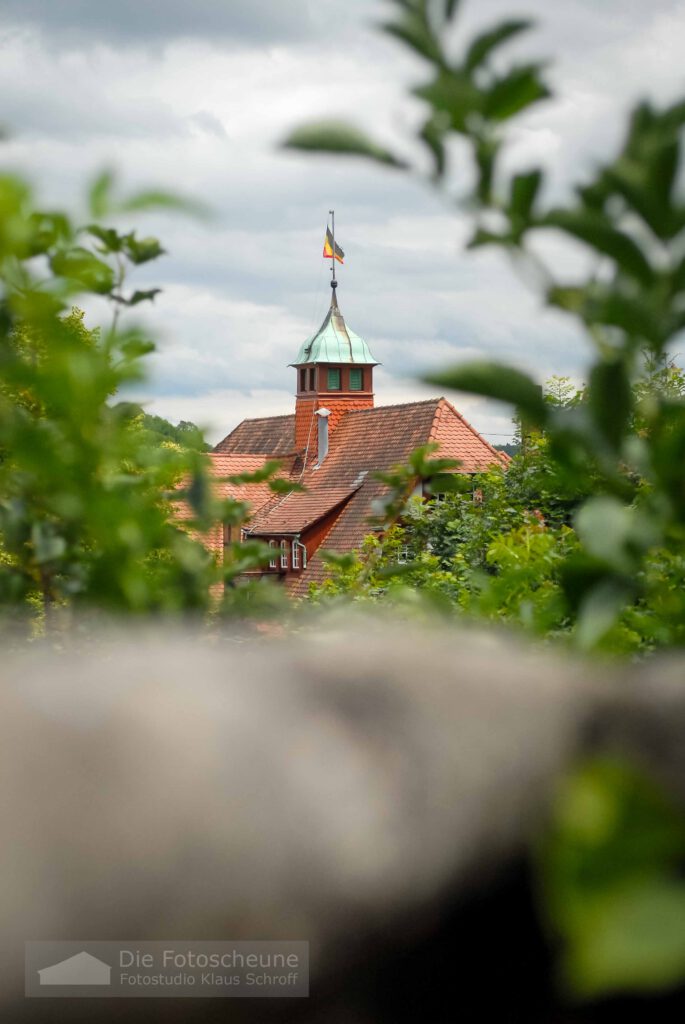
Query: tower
{"points": [[335, 372]]}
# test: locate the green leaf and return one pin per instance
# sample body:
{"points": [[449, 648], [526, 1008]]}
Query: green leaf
{"points": [[100, 194], [599, 611], [433, 134], [610, 400], [598, 232], [340, 137], [139, 296], [111, 240], [633, 942], [481, 48], [505, 383], [156, 199], [142, 250], [519, 89], [79, 265], [415, 32], [453, 94], [524, 190]]}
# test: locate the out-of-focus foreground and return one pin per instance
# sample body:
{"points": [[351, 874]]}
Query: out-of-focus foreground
{"points": [[384, 799]]}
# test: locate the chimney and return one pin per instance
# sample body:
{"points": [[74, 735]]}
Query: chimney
{"points": [[322, 448]]}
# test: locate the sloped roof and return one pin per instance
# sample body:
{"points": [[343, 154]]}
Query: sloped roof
{"points": [[334, 342], [459, 440], [364, 442], [256, 495], [376, 439], [299, 510], [270, 435]]}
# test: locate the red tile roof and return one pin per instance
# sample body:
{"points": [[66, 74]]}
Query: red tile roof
{"points": [[256, 495], [364, 442], [459, 440], [299, 510], [271, 435], [377, 439]]}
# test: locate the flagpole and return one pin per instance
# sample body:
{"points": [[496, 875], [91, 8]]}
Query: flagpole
{"points": [[334, 283]]}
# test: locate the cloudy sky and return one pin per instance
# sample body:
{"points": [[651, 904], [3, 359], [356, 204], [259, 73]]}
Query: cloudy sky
{"points": [[195, 96]]}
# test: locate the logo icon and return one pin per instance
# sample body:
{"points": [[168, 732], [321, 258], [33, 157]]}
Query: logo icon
{"points": [[80, 969]]}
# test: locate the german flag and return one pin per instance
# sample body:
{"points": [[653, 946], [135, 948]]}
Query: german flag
{"points": [[328, 248]]}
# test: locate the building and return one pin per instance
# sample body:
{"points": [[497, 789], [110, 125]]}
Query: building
{"points": [[333, 444]]}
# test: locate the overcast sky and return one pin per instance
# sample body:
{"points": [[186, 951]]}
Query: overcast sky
{"points": [[194, 95]]}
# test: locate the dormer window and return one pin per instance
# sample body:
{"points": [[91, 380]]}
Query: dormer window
{"points": [[356, 378], [334, 378]]}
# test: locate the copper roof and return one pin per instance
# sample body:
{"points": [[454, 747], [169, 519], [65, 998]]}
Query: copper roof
{"points": [[334, 342]]}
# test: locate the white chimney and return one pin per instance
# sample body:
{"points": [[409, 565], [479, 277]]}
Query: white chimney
{"points": [[323, 415]]}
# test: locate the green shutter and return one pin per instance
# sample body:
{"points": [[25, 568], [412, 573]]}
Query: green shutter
{"points": [[334, 379], [356, 379]]}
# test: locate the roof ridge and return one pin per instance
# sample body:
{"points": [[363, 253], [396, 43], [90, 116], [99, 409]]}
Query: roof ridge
{"points": [[394, 405], [459, 415]]}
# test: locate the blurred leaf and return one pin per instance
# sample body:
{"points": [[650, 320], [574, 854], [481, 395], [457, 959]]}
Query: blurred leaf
{"points": [[634, 941], [610, 399], [504, 383], [455, 95], [111, 240], [416, 33], [524, 190], [610, 864], [516, 91], [483, 45], [88, 271], [601, 235], [340, 137], [141, 250], [100, 194], [156, 199]]}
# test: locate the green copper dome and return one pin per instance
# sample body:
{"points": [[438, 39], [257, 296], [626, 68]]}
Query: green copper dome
{"points": [[334, 342]]}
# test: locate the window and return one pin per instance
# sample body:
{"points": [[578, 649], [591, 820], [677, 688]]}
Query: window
{"points": [[334, 379], [403, 555], [440, 496], [303, 380], [312, 379], [284, 554], [296, 555], [272, 562], [356, 379]]}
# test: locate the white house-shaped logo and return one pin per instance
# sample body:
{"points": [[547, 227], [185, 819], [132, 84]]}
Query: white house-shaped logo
{"points": [[80, 969]]}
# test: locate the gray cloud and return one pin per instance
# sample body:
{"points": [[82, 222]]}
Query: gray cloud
{"points": [[143, 21], [195, 97]]}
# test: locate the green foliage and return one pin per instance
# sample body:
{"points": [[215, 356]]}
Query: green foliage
{"points": [[88, 488], [611, 864], [623, 445], [584, 536]]}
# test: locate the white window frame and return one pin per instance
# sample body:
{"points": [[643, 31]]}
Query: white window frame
{"points": [[272, 560], [284, 554], [295, 555], [403, 555]]}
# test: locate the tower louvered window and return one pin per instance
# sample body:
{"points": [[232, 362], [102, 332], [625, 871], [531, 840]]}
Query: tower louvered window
{"points": [[334, 379], [356, 378]]}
